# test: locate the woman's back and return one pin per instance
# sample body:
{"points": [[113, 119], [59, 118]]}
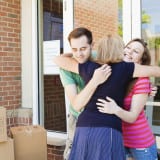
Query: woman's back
{"points": [[114, 87]]}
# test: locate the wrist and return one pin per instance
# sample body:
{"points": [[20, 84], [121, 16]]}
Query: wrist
{"points": [[117, 110], [94, 83]]}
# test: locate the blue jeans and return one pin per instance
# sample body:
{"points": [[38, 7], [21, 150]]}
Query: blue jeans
{"points": [[142, 154]]}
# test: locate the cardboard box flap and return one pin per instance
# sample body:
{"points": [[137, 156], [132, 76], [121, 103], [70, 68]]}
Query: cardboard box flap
{"points": [[30, 142], [27, 129]]}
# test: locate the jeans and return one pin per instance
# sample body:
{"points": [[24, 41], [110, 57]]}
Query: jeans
{"points": [[71, 130], [142, 153]]}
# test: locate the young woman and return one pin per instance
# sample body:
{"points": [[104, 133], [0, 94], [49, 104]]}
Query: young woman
{"points": [[98, 136], [138, 138]]}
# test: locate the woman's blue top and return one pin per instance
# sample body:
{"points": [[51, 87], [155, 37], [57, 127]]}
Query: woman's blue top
{"points": [[114, 87]]}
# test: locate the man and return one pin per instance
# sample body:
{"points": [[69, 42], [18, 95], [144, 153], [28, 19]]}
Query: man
{"points": [[73, 83]]}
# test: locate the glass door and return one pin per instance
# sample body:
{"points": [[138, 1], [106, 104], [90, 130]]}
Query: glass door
{"points": [[55, 19], [141, 19], [151, 34]]}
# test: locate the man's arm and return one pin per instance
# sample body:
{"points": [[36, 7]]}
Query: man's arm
{"points": [[67, 63], [100, 76], [146, 71], [79, 100]]}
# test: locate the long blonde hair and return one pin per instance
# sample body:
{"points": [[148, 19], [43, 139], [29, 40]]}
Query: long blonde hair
{"points": [[110, 49]]}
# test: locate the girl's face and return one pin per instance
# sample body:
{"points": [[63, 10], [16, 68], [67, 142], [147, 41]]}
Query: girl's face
{"points": [[133, 52]]}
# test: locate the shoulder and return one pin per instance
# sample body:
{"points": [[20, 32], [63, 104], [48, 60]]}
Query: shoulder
{"points": [[89, 62], [124, 64], [125, 68], [64, 73], [87, 69], [142, 85], [88, 65], [68, 77], [143, 81], [127, 64]]}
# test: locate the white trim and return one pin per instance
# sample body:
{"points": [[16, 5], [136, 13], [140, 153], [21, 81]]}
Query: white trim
{"points": [[67, 28], [34, 62], [126, 19], [56, 139], [26, 53], [29, 57], [131, 19], [136, 19], [67, 22], [149, 113]]}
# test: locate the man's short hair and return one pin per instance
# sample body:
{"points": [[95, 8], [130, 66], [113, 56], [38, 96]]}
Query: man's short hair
{"points": [[81, 31]]}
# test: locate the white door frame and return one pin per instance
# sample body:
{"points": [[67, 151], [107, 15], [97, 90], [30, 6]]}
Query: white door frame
{"points": [[131, 19], [132, 29]]}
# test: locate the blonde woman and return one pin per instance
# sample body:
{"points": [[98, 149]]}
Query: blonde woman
{"points": [[138, 138]]}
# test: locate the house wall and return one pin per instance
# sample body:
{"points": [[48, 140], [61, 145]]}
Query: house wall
{"points": [[10, 62], [98, 16], [10, 54], [101, 19]]}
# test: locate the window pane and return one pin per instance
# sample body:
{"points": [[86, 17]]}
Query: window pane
{"points": [[54, 99], [151, 34], [120, 29]]}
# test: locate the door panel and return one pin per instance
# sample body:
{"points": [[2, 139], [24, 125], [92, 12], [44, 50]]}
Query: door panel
{"points": [[151, 34]]}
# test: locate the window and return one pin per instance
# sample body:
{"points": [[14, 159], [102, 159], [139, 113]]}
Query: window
{"points": [[52, 15], [151, 34], [53, 92]]}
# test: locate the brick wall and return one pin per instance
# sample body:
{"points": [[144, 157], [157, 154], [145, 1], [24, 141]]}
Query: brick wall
{"points": [[10, 58], [54, 102], [55, 152], [101, 17], [98, 16], [10, 64], [10, 55]]}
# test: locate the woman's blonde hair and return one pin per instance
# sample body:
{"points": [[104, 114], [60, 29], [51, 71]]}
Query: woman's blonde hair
{"points": [[110, 49]]}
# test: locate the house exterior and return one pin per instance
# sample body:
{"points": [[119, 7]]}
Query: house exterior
{"points": [[30, 31]]}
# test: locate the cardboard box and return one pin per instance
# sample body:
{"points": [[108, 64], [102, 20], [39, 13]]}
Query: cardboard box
{"points": [[6, 150], [3, 126], [30, 142]]}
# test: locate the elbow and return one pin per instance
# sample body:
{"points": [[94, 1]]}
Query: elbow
{"points": [[132, 120], [77, 107]]}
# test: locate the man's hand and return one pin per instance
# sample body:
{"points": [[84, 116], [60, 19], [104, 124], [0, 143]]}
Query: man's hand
{"points": [[153, 91], [101, 74]]}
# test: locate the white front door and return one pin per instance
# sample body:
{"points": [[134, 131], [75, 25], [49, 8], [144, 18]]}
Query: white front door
{"points": [[141, 20]]}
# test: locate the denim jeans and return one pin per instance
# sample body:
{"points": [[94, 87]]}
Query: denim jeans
{"points": [[142, 153]]}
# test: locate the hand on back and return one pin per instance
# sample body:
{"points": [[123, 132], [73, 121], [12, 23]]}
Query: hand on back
{"points": [[101, 74]]}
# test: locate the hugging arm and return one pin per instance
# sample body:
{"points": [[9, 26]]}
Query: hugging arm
{"points": [[109, 106], [146, 71], [79, 100], [67, 63], [100, 75]]}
